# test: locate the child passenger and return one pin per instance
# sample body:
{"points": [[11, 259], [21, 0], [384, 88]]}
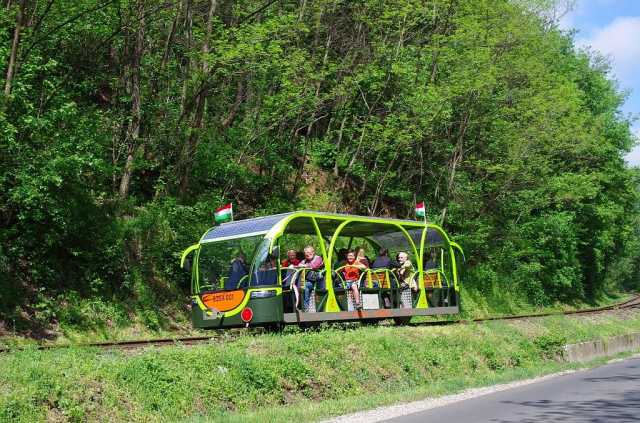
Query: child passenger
{"points": [[361, 256], [314, 263], [351, 275]]}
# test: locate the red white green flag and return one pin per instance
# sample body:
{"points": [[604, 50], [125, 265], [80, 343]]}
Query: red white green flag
{"points": [[420, 209], [224, 213]]}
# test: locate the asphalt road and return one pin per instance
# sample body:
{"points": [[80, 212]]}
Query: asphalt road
{"points": [[610, 393]]}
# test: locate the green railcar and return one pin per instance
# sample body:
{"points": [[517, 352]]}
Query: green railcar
{"points": [[239, 276]]}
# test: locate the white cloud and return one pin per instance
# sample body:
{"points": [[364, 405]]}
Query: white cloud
{"points": [[633, 158], [576, 12], [620, 40], [566, 22]]}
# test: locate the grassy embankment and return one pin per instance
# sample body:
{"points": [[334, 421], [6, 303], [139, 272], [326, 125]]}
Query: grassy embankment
{"points": [[91, 320], [302, 375]]}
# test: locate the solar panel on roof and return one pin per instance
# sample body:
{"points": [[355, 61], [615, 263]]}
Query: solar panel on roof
{"points": [[262, 225], [240, 228], [397, 238], [434, 237]]}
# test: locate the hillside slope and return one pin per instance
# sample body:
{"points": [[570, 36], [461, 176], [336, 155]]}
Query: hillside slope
{"points": [[125, 124]]}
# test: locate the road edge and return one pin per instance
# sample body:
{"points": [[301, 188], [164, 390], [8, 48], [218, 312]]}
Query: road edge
{"points": [[379, 414]]}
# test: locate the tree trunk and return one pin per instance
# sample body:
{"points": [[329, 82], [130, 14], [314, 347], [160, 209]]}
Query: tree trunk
{"points": [[201, 99], [167, 45], [188, 23], [13, 55], [133, 132], [353, 158], [455, 161], [240, 95], [340, 132]]}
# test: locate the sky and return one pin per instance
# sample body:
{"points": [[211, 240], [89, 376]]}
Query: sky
{"points": [[613, 28]]}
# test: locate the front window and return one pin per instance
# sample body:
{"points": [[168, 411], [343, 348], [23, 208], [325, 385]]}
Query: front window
{"points": [[265, 265], [226, 265]]}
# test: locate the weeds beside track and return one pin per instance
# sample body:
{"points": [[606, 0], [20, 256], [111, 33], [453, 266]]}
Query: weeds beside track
{"points": [[631, 303]]}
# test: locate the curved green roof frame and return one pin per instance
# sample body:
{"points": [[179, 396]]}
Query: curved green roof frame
{"points": [[274, 226], [327, 253]]}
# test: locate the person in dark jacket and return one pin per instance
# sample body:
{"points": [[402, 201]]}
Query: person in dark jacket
{"points": [[383, 261], [237, 271], [431, 259]]}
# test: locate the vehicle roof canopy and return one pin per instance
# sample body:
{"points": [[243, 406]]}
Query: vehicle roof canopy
{"points": [[384, 231], [243, 228]]}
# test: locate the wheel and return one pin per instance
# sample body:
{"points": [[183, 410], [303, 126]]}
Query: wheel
{"points": [[309, 325], [276, 327], [401, 321]]}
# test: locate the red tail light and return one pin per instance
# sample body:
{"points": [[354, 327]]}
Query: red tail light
{"points": [[246, 315]]}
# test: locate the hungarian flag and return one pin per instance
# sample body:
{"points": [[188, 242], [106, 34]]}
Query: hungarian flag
{"points": [[224, 213], [420, 209]]}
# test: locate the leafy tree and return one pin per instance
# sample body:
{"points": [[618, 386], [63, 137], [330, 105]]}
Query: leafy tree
{"points": [[123, 124]]}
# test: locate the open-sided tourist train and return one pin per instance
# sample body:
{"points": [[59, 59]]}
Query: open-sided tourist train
{"points": [[238, 277]]}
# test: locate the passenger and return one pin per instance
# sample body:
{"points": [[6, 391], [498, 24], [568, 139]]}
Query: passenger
{"points": [[383, 261], [237, 271], [430, 260], [405, 272], [291, 260], [287, 266], [342, 257], [267, 273], [351, 275], [269, 263], [361, 257], [315, 264], [429, 265]]}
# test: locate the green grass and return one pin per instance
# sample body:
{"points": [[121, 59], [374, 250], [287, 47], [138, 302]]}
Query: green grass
{"points": [[87, 320], [495, 300], [305, 375]]}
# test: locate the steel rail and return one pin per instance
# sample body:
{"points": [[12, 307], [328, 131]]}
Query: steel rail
{"points": [[191, 340]]}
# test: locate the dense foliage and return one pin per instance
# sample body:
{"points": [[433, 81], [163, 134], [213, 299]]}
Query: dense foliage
{"points": [[125, 122]]}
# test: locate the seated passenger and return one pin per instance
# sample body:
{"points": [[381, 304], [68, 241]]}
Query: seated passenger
{"points": [[382, 280], [237, 271], [430, 260], [405, 272], [351, 275], [315, 264], [383, 261], [267, 272], [361, 257], [291, 260], [342, 257], [288, 273], [431, 266], [269, 263]]}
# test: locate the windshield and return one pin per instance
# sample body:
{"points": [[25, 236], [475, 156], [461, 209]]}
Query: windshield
{"points": [[226, 265]]}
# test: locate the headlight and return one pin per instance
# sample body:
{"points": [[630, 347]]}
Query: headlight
{"points": [[263, 294]]}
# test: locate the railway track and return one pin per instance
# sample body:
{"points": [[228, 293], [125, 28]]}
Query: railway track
{"points": [[191, 340], [628, 304]]}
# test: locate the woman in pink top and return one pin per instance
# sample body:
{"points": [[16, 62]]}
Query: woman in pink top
{"points": [[315, 264]]}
